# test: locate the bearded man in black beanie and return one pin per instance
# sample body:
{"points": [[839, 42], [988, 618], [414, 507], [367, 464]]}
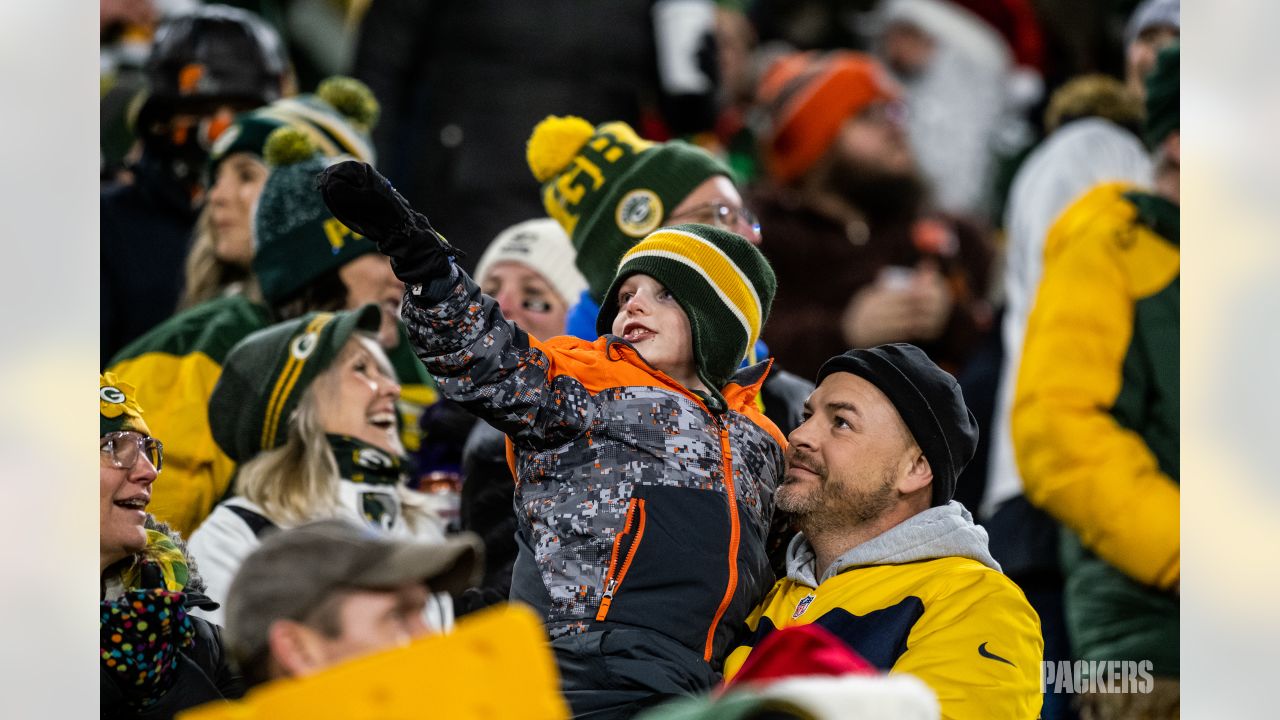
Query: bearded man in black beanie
{"points": [[885, 559]]}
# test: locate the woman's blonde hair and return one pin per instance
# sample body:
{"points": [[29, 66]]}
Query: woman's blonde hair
{"points": [[298, 481], [206, 276]]}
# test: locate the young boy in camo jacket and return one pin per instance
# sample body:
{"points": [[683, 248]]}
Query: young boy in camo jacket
{"points": [[645, 472]]}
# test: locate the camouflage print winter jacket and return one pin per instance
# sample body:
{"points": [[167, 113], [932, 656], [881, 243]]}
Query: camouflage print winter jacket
{"points": [[636, 504]]}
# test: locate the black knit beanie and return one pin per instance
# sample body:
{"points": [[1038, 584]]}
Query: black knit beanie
{"points": [[929, 400]]}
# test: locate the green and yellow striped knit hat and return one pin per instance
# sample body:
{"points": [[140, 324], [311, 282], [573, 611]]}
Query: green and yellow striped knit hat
{"points": [[266, 374], [118, 406], [722, 281], [608, 188]]}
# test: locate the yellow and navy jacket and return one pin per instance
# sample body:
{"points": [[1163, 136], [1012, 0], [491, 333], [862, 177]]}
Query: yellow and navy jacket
{"points": [[924, 598], [637, 506], [1095, 419], [175, 366]]}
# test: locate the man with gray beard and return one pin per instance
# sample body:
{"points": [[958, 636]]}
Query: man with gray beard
{"points": [[885, 559]]}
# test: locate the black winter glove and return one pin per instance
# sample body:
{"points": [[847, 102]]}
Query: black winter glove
{"points": [[363, 200]]}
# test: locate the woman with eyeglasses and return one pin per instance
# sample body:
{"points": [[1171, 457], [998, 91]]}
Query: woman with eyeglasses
{"points": [[306, 408], [155, 658]]}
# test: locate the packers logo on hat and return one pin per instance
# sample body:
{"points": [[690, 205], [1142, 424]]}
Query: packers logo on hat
{"points": [[639, 212], [111, 395], [118, 406], [305, 344]]}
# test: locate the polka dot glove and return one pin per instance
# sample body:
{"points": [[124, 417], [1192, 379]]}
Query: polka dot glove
{"points": [[140, 636]]}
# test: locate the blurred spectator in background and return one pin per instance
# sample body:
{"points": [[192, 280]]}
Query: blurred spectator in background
{"points": [[962, 100], [735, 45], [331, 590], [304, 261], [155, 658], [1095, 413], [337, 119], [204, 67], [319, 35], [859, 260], [461, 83], [1093, 123], [528, 269], [812, 24], [307, 409], [1154, 25]]}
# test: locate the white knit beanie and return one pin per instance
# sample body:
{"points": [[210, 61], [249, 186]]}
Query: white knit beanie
{"points": [[542, 246], [1150, 14]]}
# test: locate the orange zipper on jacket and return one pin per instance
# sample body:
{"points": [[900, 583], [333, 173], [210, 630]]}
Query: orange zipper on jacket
{"points": [[731, 492], [614, 580]]}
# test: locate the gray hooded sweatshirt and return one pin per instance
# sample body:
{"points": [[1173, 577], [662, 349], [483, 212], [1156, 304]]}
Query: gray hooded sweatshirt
{"points": [[943, 531]]}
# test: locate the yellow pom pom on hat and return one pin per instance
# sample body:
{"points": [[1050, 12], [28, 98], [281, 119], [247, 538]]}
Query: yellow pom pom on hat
{"points": [[608, 187], [553, 144], [118, 406]]}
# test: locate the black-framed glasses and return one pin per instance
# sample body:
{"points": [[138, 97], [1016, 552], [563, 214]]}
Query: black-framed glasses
{"points": [[123, 448], [720, 214]]}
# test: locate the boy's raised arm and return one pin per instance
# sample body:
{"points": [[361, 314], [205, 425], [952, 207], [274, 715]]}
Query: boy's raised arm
{"points": [[481, 360]]}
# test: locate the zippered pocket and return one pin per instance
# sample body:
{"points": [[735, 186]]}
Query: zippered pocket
{"points": [[625, 546]]}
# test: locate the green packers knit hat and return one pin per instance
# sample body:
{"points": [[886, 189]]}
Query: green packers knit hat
{"points": [[337, 119], [1163, 97], [297, 239], [266, 374], [608, 188], [722, 281]]}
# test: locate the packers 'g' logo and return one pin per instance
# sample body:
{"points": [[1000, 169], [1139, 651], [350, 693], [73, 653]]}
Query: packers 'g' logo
{"points": [[304, 345], [639, 213], [111, 395]]}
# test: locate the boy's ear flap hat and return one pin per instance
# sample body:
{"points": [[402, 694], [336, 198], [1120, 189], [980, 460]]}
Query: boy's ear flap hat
{"points": [[723, 283]]}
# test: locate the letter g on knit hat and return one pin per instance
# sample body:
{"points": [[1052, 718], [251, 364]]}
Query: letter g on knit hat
{"points": [[118, 407], [266, 374], [296, 239], [608, 188], [929, 401]]}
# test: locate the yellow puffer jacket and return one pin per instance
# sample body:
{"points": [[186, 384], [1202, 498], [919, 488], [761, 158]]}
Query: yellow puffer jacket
{"points": [[953, 621], [1095, 411]]}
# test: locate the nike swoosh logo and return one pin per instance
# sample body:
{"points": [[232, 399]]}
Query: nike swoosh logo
{"points": [[984, 652]]}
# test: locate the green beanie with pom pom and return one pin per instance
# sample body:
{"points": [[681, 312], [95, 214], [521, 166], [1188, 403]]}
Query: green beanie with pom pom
{"points": [[296, 239], [608, 188], [337, 118]]}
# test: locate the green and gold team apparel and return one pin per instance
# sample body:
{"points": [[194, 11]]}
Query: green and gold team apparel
{"points": [[608, 188], [176, 366], [1095, 419], [945, 614]]}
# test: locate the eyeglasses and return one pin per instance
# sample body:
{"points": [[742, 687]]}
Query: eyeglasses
{"points": [[124, 447], [721, 215]]}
